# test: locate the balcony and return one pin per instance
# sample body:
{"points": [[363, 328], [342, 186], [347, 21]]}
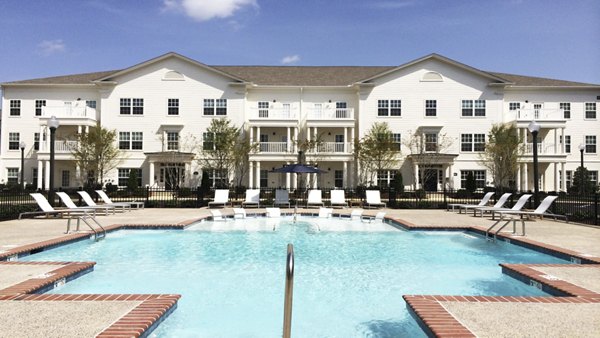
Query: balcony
{"points": [[546, 151], [274, 147], [274, 114], [59, 146], [332, 148], [69, 115], [331, 114]]}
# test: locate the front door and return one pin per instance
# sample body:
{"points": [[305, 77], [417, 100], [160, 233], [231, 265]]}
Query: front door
{"points": [[430, 180]]}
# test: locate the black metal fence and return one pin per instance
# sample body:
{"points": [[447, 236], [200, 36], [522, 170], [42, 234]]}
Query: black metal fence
{"points": [[579, 208]]}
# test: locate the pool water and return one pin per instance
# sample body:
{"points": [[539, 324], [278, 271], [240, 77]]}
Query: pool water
{"points": [[347, 284]]}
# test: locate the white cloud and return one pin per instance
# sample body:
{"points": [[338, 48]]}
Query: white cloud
{"points": [[392, 4], [49, 47], [290, 59], [204, 10]]}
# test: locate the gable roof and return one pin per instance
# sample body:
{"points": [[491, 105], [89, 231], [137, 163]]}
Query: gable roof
{"points": [[521, 80]]}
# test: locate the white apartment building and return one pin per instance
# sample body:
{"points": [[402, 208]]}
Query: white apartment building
{"points": [[161, 109]]}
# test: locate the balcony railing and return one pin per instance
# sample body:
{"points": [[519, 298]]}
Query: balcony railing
{"points": [[333, 147], [330, 113], [543, 149], [539, 114], [274, 147], [69, 112], [274, 113], [59, 146]]}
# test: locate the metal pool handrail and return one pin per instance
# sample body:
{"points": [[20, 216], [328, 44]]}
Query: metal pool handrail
{"points": [[289, 292]]}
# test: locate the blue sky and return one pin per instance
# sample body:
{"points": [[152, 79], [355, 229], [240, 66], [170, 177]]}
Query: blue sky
{"points": [[557, 39]]}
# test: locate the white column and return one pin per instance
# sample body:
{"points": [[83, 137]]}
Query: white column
{"points": [[289, 134], [416, 176], [562, 146], [151, 174], [519, 178], [526, 177], [250, 175], [40, 169], [564, 175], [295, 138], [187, 173], [287, 178], [251, 134], [257, 134], [87, 129], [78, 174], [345, 148], [315, 179], [308, 133], [556, 187], [47, 169], [79, 129], [556, 142], [352, 136], [257, 174], [345, 184]]}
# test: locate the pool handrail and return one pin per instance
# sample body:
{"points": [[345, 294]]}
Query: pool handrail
{"points": [[289, 292]]}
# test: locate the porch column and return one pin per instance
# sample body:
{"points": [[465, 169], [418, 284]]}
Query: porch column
{"points": [[556, 141], [287, 178], [556, 187], [308, 133], [562, 145], [78, 174], [288, 143], [345, 148], [295, 150], [151, 174], [250, 173], [47, 175], [352, 136], [87, 129], [257, 134], [187, 173], [251, 135], [519, 178], [315, 180], [526, 177], [345, 183], [40, 174], [563, 176], [416, 176], [257, 174], [79, 129]]}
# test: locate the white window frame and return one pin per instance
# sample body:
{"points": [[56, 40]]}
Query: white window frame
{"points": [[566, 107], [12, 175], [132, 139], [591, 144], [14, 108], [14, 139], [431, 105], [173, 107], [474, 141], [38, 107], [514, 106], [172, 138], [590, 108]]}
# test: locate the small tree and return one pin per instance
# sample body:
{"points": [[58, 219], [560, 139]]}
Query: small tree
{"points": [[240, 153], [132, 180], [426, 152], [501, 154], [96, 153], [581, 182], [470, 184], [376, 151], [398, 182], [218, 148]]}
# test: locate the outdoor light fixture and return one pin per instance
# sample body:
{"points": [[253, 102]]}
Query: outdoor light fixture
{"points": [[534, 129], [581, 149], [22, 145], [53, 124]]}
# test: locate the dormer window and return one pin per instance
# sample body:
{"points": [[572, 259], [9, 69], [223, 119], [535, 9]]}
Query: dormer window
{"points": [[173, 76], [432, 77]]}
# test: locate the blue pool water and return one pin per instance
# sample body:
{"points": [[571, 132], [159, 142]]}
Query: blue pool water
{"points": [[347, 284]]}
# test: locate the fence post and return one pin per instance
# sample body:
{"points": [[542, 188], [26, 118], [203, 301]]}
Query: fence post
{"points": [[147, 194], [445, 198], [596, 208]]}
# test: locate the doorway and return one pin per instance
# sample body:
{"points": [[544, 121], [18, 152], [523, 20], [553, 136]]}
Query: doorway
{"points": [[172, 175], [430, 179]]}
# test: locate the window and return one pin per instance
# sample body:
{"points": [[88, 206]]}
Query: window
{"points": [[215, 176], [36, 141], [34, 176], [38, 107], [339, 144], [341, 110], [221, 107], [132, 106], [208, 141], [569, 178], [566, 107], [568, 144], [15, 107], [65, 179], [514, 105], [338, 178], [90, 104], [13, 141], [263, 109], [472, 142], [12, 175], [473, 107], [138, 106], [264, 178], [216, 107], [125, 107], [172, 140], [430, 107], [209, 107], [590, 144], [479, 176], [397, 140], [590, 110], [172, 106], [384, 178], [593, 175], [431, 142], [131, 140], [124, 176], [389, 107]]}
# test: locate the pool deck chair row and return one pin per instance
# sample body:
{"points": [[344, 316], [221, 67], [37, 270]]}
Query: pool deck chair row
{"points": [[518, 206], [107, 200], [48, 210], [66, 200], [484, 201], [374, 199], [221, 198], [90, 202], [499, 204], [540, 211]]}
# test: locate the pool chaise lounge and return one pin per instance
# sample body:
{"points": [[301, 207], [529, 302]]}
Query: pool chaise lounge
{"points": [[540, 211], [273, 212], [374, 199], [71, 205], [325, 212], [378, 217], [314, 199], [338, 199], [221, 198], [484, 201], [518, 206], [217, 215], [282, 197], [48, 210], [252, 198], [107, 200], [90, 202], [501, 201]]}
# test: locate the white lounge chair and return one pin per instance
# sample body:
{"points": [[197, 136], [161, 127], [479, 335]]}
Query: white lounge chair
{"points": [[90, 202], [498, 204], [338, 198], [539, 211], [217, 215], [69, 204], [282, 197], [273, 212], [325, 212], [239, 213], [378, 217], [107, 200], [252, 198], [221, 198], [518, 206], [356, 214], [314, 198], [48, 210], [374, 199], [484, 201]]}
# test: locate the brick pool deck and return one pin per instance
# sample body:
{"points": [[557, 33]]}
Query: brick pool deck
{"points": [[575, 309]]}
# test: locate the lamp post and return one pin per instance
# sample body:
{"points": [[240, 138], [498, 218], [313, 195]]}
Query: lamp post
{"points": [[22, 145], [53, 123], [534, 128], [581, 149]]}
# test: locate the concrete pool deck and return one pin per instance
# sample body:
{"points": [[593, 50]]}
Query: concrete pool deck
{"points": [[572, 239]]}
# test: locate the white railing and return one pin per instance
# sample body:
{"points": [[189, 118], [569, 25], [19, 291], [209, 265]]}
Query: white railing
{"points": [[540, 115], [542, 148], [69, 111], [273, 147], [59, 146], [333, 147], [274, 113], [330, 113]]}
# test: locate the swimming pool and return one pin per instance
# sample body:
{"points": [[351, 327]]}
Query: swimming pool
{"points": [[347, 284]]}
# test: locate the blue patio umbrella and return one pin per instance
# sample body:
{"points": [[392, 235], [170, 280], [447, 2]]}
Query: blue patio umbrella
{"points": [[299, 169]]}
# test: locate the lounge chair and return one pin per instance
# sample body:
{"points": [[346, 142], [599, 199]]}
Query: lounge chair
{"points": [[356, 214], [221, 198], [107, 200], [379, 216], [518, 206], [48, 210], [374, 199], [252, 198], [325, 212], [217, 215], [484, 201], [338, 199], [498, 204], [69, 204], [90, 202], [282, 197], [239, 213], [314, 198], [273, 212], [539, 211]]}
